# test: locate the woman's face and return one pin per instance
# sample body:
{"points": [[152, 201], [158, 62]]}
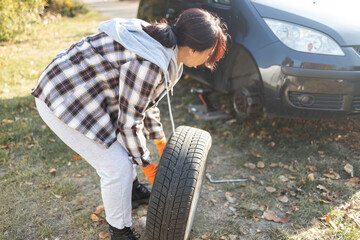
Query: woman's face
{"points": [[193, 58]]}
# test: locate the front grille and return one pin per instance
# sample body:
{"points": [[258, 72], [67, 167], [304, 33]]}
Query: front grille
{"points": [[319, 101], [357, 49], [356, 103]]}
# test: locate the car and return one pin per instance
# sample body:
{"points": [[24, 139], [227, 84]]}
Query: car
{"points": [[293, 59]]}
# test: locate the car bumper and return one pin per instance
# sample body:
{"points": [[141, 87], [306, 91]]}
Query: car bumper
{"points": [[308, 85]]}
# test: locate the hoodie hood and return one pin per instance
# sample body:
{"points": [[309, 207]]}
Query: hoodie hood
{"points": [[129, 34]]}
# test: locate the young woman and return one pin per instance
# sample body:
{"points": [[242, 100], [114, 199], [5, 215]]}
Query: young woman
{"points": [[100, 96]]}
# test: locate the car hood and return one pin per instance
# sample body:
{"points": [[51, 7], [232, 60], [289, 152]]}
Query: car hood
{"points": [[338, 19]]}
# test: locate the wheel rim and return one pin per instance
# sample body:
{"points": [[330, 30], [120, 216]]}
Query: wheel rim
{"points": [[239, 103]]}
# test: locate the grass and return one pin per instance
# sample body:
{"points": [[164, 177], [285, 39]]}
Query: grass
{"points": [[38, 202]]}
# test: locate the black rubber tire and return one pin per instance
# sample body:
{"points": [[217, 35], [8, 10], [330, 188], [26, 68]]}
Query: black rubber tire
{"points": [[177, 185]]}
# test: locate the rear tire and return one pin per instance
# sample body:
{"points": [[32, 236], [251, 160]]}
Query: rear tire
{"points": [[177, 185]]}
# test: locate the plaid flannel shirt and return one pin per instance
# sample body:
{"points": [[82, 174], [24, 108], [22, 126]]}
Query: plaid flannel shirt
{"points": [[106, 92]]}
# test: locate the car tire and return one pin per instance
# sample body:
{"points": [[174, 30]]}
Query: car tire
{"points": [[177, 185]]}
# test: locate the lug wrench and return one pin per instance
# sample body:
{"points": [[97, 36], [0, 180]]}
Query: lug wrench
{"points": [[224, 180]]}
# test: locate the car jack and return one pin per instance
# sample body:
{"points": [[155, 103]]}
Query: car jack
{"points": [[206, 111]]}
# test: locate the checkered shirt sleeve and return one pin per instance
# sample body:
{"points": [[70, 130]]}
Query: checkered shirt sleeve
{"points": [[153, 127], [137, 88]]}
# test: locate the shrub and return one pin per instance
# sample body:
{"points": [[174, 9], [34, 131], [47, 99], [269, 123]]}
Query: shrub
{"points": [[68, 8], [16, 15]]}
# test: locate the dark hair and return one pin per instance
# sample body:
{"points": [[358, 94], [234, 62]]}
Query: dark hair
{"points": [[195, 28]]}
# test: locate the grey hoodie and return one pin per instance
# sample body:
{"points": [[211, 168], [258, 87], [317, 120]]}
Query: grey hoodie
{"points": [[129, 34]]}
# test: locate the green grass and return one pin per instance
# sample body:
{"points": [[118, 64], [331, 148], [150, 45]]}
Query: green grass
{"points": [[38, 204]]}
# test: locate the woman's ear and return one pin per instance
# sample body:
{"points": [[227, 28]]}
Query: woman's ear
{"points": [[191, 52]]}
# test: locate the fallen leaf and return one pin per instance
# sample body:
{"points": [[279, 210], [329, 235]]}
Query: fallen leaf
{"points": [[311, 168], [269, 215], [257, 155], [229, 197], [259, 230], [283, 178], [283, 199], [4, 146], [250, 165], [274, 165], [332, 175], [204, 236], [260, 165], [7, 121], [270, 189], [51, 140], [321, 187], [281, 219], [76, 157], [349, 169], [52, 171], [94, 217], [252, 178], [104, 234], [233, 237], [311, 177]]}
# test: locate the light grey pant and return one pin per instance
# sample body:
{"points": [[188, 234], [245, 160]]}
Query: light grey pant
{"points": [[112, 165]]}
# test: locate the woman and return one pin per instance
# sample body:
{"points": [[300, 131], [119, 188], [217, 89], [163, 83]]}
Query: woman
{"points": [[100, 96]]}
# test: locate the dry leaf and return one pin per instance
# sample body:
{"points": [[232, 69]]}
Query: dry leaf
{"points": [[233, 237], [104, 234], [311, 177], [349, 169], [274, 165], [52, 171], [250, 165], [321, 187], [269, 215], [204, 236], [311, 168], [252, 178], [76, 157], [258, 155], [94, 217], [270, 189], [281, 219], [260, 165], [229, 197], [99, 209], [51, 140], [283, 178], [7, 121], [332, 175], [283, 199]]}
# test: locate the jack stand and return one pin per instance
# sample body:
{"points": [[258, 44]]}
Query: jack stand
{"points": [[206, 111]]}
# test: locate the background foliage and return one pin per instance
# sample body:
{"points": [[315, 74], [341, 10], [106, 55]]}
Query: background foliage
{"points": [[17, 15]]}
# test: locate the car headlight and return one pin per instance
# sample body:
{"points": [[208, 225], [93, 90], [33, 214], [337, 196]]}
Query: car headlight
{"points": [[303, 39]]}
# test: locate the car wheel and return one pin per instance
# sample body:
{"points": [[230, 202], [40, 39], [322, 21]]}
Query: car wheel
{"points": [[177, 185], [247, 102]]}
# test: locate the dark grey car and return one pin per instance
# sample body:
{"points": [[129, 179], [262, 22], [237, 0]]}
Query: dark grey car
{"points": [[296, 58]]}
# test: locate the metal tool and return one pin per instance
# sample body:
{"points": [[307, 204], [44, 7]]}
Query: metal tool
{"points": [[224, 180]]}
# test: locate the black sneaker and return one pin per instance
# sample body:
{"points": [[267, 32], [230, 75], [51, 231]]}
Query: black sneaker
{"points": [[123, 234], [140, 194]]}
